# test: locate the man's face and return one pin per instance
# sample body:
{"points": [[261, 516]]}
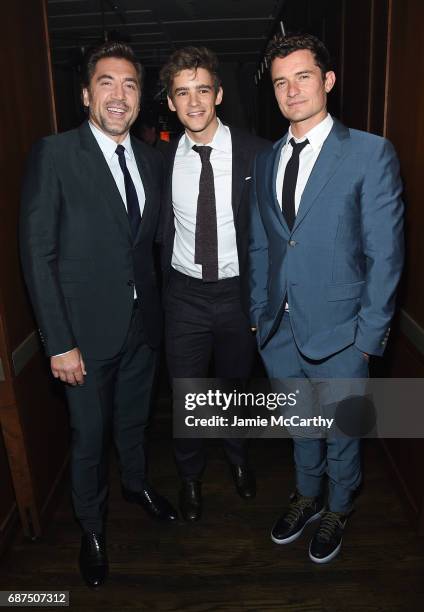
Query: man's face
{"points": [[113, 97], [194, 100], [300, 89]]}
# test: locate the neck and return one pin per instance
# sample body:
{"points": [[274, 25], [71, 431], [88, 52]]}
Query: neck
{"points": [[205, 135], [300, 128], [118, 138]]}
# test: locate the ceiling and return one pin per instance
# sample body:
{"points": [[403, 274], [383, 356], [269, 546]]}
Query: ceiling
{"points": [[237, 30]]}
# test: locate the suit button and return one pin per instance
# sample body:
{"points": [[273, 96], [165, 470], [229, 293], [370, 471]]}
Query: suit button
{"points": [[292, 243], [130, 283]]}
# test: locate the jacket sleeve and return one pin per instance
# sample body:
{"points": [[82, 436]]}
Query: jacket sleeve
{"points": [[382, 243], [39, 232], [258, 255]]}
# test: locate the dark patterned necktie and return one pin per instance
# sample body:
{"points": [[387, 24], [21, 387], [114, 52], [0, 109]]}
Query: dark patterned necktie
{"points": [[206, 241], [133, 206], [289, 182]]}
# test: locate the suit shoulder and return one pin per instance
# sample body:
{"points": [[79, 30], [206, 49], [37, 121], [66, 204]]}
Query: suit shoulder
{"points": [[54, 147], [366, 139], [248, 140], [56, 142], [371, 146]]}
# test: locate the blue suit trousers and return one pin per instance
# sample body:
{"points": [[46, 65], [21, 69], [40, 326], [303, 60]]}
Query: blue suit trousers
{"points": [[338, 457]]}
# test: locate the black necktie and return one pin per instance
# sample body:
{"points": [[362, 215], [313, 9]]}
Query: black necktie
{"points": [[289, 182], [133, 206], [206, 242]]}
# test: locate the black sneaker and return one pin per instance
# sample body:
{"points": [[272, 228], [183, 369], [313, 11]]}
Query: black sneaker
{"points": [[327, 541], [301, 511]]}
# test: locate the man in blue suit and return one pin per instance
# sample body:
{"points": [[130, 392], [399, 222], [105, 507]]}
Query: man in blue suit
{"points": [[326, 254]]}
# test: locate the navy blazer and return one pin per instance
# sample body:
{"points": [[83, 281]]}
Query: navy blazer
{"points": [[340, 265]]}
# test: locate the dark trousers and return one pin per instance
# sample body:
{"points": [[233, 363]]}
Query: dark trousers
{"points": [[205, 321], [114, 400]]}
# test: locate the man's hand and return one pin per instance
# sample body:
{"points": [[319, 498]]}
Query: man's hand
{"points": [[69, 367]]}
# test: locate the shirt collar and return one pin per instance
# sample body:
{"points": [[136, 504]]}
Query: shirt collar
{"points": [[317, 134], [108, 145], [221, 140]]}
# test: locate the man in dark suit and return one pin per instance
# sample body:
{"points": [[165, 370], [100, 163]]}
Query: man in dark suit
{"points": [[89, 214], [326, 255], [204, 236]]}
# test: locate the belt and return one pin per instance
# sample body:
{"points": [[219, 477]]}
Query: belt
{"points": [[191, 281]]}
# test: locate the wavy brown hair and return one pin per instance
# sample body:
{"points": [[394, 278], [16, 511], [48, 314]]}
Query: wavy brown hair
{"points": [[189, 58], [281, 46]]}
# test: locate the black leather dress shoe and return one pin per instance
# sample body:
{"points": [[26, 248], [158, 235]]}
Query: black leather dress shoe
{"points": [[93, 560], [245, 481], [154, 504], [191, 500]]}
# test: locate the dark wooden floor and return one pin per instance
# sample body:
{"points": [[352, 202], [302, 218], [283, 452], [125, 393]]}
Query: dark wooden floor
{"points": [[227, 561]]}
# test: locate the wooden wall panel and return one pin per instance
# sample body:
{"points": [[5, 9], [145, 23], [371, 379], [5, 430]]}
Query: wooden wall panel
{"points": [[405, 128], [332, 36], [33, 420], [8, 510], [406, 456], [24, 59], [43, 410], [378, 66], [356, 62]]}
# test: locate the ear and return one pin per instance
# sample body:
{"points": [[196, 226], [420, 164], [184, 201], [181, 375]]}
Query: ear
{"points": [[330, 79], [219, 96], [86, 96], [171, 105]]}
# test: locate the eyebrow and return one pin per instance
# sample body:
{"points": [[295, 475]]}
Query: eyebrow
{"points": [[178, 89], [281, 78], [108, 76]]}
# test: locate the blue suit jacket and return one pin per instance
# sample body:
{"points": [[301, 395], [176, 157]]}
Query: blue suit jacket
{"points": [[340, 265]]}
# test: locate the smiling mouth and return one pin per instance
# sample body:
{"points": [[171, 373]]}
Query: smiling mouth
{"points": [[196, 114], [116, 111]]}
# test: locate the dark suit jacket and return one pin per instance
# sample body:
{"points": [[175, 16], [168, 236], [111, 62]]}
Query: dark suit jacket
{"points": [[244, 148], [78, 258]]}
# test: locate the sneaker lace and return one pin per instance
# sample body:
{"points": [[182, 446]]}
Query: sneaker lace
{"points": [[297, 508], [329, 523]]}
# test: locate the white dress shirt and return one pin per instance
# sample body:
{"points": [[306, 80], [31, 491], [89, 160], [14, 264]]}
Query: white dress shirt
{"points": [[308, 157], [185, 191], [108, 147]]}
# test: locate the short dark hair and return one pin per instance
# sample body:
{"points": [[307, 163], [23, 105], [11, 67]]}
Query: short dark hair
{"points": [[190, 58], [112, 48], [281, 46]]}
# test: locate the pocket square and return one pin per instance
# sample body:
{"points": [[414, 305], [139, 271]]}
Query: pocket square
{"points": [[247, 178]]}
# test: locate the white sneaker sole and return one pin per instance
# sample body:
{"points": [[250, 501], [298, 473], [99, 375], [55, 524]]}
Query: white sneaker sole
{"points": [[329, 557], [296, 535]]}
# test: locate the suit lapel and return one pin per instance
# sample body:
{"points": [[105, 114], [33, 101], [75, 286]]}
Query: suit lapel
{"points": [[95, 167], [168, 213], [146, 177], [240, 167], [325, 166], [275, 161]]}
